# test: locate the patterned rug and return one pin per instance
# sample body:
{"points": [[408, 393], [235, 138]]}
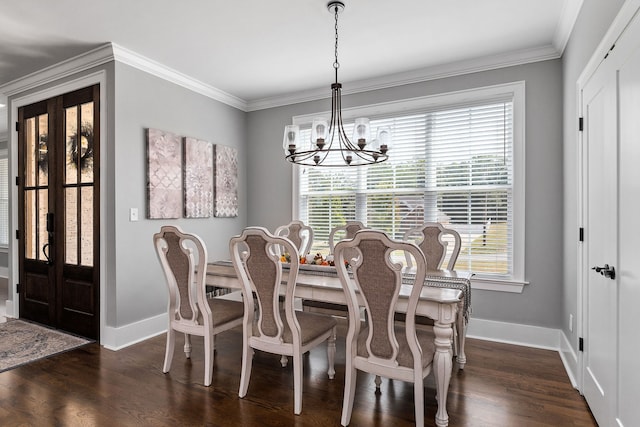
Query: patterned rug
{"points": [[23, 342]]}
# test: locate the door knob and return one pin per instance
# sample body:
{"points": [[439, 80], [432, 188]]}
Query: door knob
{"points": [[606, 271]]}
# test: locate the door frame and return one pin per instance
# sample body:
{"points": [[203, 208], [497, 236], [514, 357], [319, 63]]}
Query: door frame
{"points": [[99, 77]]}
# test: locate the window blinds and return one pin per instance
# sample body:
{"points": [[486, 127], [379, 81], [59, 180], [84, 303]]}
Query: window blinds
{"points": [[4, 201], [451, 165]]}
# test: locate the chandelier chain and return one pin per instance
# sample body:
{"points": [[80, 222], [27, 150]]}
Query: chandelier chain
{"points": [[336, 64]]}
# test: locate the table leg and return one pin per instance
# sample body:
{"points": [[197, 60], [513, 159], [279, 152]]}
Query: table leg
{"points": [[442, 366], [461, 326]]}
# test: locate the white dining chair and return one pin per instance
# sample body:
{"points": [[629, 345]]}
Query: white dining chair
{"points": [[300, 234], [378, 345], [433, 239], [183, 257], [269, 328]]}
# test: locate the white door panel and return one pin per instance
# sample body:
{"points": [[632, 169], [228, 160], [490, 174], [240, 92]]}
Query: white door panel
{"points": [[600, 334], [628, 409]]}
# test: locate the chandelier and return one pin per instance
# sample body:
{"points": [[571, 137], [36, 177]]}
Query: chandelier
{"points": [[329, 144]]}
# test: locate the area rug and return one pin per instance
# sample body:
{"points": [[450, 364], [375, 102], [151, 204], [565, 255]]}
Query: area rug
{"points": [[24, 342]]}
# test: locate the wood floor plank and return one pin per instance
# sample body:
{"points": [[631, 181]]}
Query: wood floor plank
{"points": [[501, 385]]}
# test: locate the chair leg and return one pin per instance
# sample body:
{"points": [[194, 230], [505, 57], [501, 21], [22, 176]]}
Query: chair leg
{"points": [[331, 353], [378, 381], [247, 360], [418, 393], [349, 391], [297, 382], [208, 359], [168, 354], [187, 345]]}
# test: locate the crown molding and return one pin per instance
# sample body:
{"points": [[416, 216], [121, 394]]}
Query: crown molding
{"points": [[82, 62], [567, 20], [416, 76], [110, 52], [157, 69]]}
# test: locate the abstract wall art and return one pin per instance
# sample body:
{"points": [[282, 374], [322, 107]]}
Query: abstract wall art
{"points": [[198, 178], [226, 181], [164, 174]]}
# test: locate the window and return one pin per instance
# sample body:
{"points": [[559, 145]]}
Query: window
{"points": [[4, 199], [456, 159]]}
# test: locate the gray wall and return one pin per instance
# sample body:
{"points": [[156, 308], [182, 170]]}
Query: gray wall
{"points": [[136, 289], [594, 20], [270, 180]]}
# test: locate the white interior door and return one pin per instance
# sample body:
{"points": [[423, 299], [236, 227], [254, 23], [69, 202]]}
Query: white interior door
{"points": [[628, 409], [611, 107], [600, 290]]}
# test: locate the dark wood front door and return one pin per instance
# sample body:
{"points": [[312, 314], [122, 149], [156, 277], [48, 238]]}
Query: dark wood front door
{"points": [[59, 196]]}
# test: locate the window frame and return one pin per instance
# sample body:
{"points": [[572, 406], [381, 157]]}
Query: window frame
{"points": [[515, 91]]}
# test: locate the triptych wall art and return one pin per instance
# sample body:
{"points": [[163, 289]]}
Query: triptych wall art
{"points": [[190, 178]]}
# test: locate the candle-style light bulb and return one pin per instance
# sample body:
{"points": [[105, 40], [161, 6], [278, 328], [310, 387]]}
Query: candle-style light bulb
{"points": [[290, 140], [319, 130], [361, 132]]}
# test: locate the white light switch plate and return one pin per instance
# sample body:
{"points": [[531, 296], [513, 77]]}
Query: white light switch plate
{"points": [[133, 214]]}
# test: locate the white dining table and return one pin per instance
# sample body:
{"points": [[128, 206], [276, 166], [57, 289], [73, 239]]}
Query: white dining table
{"points": [[439, 303]]}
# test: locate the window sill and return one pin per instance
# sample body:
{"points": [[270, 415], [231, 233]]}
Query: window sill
{"points": [[485, 284]]}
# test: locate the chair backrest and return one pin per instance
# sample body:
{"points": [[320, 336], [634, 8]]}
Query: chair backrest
{"points": [[379, 280], [185, 274], [350, 228], [301, 235], [258, 266], [434, 239]]}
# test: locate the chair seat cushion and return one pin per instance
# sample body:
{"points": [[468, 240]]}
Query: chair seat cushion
{"points": [[311, 326], [405, 358], [225, 310]]}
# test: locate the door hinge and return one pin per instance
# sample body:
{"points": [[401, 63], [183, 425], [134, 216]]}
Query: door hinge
{"points": [[581, 344], [17, 180], [609, 51], [580, 124], [17, 126], [17, 234], [18, 288], [581, 234]]}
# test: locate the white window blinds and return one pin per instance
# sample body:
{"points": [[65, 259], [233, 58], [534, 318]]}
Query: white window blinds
{"points": [[451, 165], [4, 199]]}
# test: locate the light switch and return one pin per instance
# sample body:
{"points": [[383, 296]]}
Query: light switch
{"points": [[133, 214]]}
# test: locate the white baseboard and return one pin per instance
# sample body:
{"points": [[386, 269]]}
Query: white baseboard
{"points": [[118, 338], [514, 333], [489, 330], [569, 360]]}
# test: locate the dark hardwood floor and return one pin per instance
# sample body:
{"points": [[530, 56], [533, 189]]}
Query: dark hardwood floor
{"points": [[502, 385]]}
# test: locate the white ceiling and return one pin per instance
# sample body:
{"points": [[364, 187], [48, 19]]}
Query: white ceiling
{"points": [[261, 51]]}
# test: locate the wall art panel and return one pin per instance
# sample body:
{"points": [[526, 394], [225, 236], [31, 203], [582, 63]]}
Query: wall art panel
{"points": [[198, 178], [164, 174], [226, 181]]}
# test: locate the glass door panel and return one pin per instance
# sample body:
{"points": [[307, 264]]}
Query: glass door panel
{"points": [[79, 184], [71, 226], [85, 147], [86, 227]]}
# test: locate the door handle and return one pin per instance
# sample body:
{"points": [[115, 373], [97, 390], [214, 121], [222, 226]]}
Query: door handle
{"points": [[606, 271], [46, 249]]}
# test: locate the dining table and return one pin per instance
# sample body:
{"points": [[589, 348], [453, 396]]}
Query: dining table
{"points": [[445, 298]]}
